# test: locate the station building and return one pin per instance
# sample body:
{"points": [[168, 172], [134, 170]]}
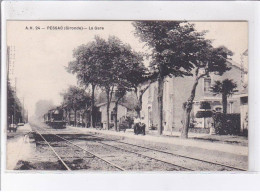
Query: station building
{"points": [[122, 112], [177, 91]]}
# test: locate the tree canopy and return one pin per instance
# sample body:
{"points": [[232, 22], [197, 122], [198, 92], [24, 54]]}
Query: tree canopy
{"points": [[109, 64], [173, 45], [227, 87], [86, 65], [75, 98]]}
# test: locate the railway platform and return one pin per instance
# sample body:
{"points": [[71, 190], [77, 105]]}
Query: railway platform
{"points": [[18, 145], [173, 139]]}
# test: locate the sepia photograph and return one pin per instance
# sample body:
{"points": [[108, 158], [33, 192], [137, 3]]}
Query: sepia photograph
{"points": [[142, 95]]}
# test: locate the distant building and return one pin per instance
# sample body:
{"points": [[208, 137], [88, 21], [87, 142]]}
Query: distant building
{"points": [[244, 113], [123, 111], [83, 115], [244, 94], [177, 91]]}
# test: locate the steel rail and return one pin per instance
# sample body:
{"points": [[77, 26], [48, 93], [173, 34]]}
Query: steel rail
{"points": [[69, 142], [66, 166], [147, 156], [112, 164], [174, 154]]}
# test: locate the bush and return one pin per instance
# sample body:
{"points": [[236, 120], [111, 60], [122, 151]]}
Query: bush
{"points": [[111, 125], [124, 125], [227, 124], [130, 121]]}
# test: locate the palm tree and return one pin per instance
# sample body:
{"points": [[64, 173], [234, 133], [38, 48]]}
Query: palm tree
{"points": [[226, 88]]}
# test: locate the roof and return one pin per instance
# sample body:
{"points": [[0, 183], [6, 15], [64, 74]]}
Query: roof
{"points": [[120, 103], [101, 104], [235, 65], [246, 52], [243, 95]]}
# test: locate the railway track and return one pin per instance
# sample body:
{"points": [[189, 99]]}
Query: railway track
{"points": [[53, 150], [118, 147], [153, 158], [125, 150], [112, 164], [171, 153], [95, 155], [79, 147]]}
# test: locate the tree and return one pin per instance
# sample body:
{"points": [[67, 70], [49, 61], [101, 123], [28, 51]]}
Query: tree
{"points": [[172, 47], [87, 67], [14, 106], [140, 78], [139, 92], [226, 88], [207, 60], [119, 94], [124, 68], [74, 99], [112, 68], [107, 64]]}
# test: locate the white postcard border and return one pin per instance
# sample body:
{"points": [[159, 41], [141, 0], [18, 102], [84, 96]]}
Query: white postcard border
{"points": [[145, 10]]}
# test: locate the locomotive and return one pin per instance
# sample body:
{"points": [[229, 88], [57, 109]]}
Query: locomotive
{"points": [[55, 119]]}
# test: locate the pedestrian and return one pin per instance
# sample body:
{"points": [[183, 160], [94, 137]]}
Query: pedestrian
{"points": [[136, 126], [212, 130], [142, 126]]}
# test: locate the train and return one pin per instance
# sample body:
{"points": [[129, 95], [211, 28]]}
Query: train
{"points": [[55, 118]]}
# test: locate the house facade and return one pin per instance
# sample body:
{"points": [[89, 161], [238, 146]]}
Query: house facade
{"points": [[244, 95], [177, 91], [122, 112]]}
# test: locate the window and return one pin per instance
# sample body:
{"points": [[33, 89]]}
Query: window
{"points": [[231, 107], [207, 84], [149, 94], [218, 109], [112, 114], [244, 100]]}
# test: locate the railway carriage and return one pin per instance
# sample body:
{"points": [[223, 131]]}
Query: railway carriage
{"points": [[55, 119]]}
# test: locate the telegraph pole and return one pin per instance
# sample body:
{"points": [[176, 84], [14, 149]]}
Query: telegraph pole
{"points": [[8, 71], [14, 98], [27, 116], [8, 61], [10, 74], [23, 112]]}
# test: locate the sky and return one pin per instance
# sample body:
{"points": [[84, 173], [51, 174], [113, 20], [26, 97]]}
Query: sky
{"points": [[42, 53]]}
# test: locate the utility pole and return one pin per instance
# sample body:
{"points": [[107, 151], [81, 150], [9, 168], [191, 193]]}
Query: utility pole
{"points": [[14, 98], [8, 62], [8, 82], [23, 119], [10, 73], [27, 116]]}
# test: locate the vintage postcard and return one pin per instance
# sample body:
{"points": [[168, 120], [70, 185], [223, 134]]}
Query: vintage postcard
{"points": [[157, 95]]}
